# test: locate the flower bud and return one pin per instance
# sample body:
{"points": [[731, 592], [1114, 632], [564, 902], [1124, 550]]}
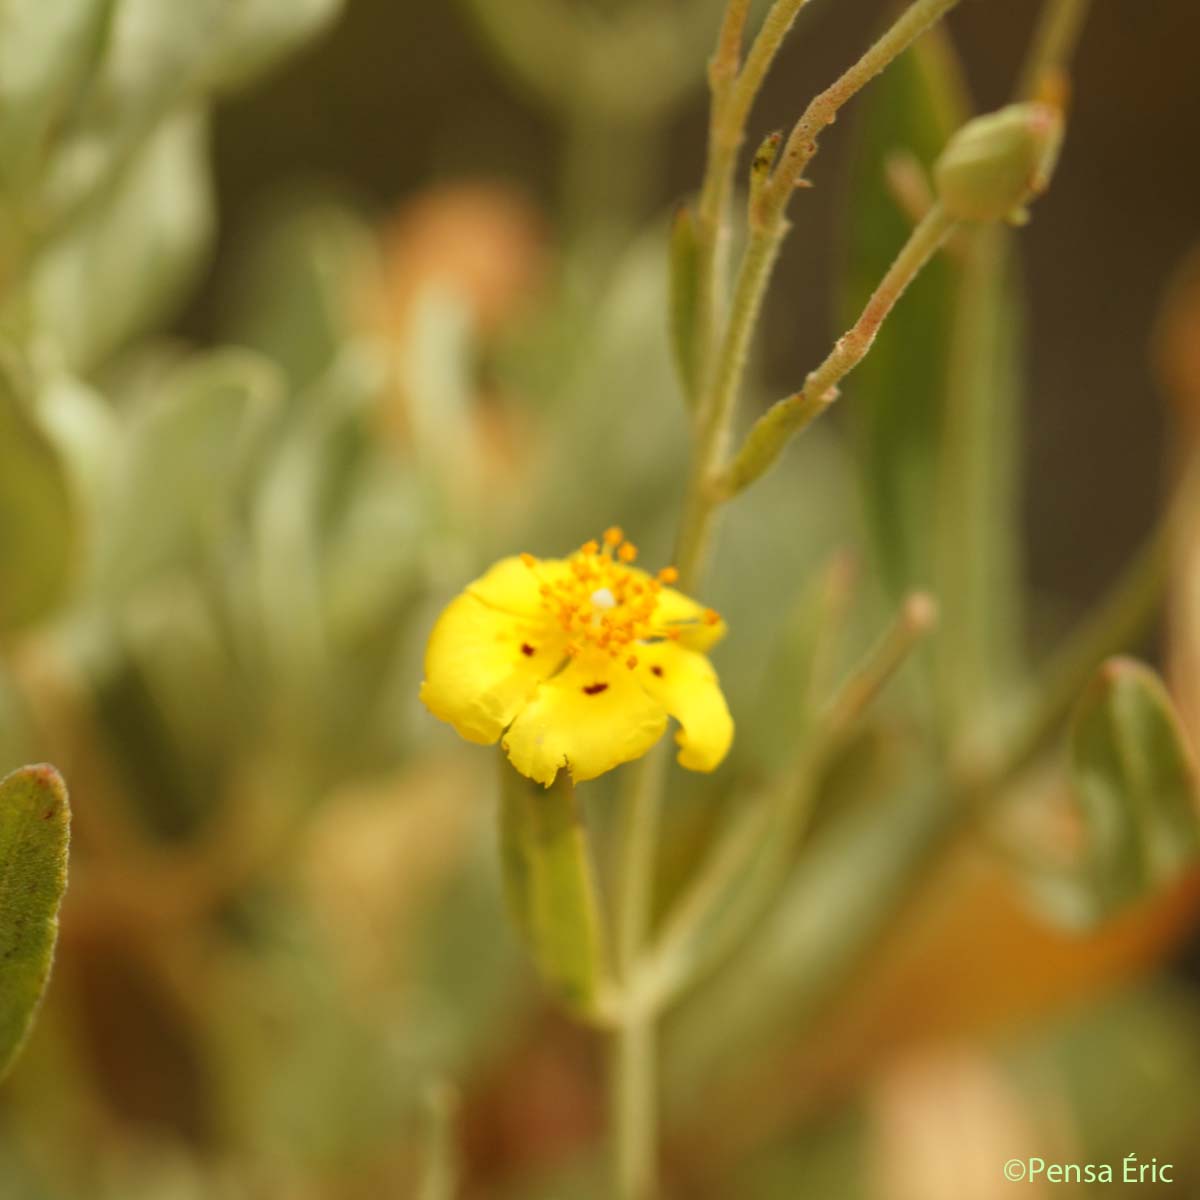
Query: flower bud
{"points": [[996, 164]]}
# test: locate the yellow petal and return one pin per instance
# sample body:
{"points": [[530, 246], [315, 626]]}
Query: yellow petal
{"points": [[512, 586], [685, 684], [591, 717], [482, 664], [697, 629]]}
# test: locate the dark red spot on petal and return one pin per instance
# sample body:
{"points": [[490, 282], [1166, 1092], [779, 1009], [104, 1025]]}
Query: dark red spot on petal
{"points": [[527, 650], [656, 670], [594, 689]]}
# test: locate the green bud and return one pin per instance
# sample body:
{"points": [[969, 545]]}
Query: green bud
{"points": [[996, 164]]}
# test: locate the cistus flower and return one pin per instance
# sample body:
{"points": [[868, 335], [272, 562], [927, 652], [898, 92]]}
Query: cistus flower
{"points": [[576, 664]]}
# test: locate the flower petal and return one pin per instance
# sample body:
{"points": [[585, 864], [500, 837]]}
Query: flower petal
{"points": [[591, 717], [482, 664], [512, 585], [697, 629], [685, 684]]}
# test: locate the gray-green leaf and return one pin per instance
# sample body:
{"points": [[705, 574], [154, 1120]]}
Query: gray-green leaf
{"points": [[182, 465], [550, 887], [35, 822], [1135, 783], [128, 256]]}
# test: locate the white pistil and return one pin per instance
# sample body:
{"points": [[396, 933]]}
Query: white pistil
{"points": [[603, 598]]}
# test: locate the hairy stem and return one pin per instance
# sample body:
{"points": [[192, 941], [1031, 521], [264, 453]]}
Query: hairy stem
{"points": [[771, 432], [733, 93]]}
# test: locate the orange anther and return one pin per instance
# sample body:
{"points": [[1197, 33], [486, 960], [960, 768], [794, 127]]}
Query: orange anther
{"points": [[712, 617], [628, 552], [673, 634], [528, 559], [631, 661], [668, 575], [590, 547], [613, 535]]}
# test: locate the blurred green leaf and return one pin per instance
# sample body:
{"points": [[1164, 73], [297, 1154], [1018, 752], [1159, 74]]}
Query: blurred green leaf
{"points": [[37, 535], [685, 282], [895, 396], [181, 470], [298, 294], [843, 892], [550, 888], [1135, 783], [46, 51], [125, 262], [34, 830], [160, 59], [253, 35], [288, 524]]}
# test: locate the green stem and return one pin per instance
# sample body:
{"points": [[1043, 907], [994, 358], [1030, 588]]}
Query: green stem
{"points": [[1053, 44], [917, 617], [771, 432], [716, 415], [768, 226], [733, 95], [635, 1108], [801, 145], [633, 1068]]}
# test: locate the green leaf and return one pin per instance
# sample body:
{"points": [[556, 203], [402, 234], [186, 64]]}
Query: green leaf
{"points": [[978, 574], [841, 896], [1135, 784], [550, 887], [297, 295], [183, 462], [685, 283], [34, 830], [37, 534], [125, 262], [895, 396], [256, 34], [46, 51]]}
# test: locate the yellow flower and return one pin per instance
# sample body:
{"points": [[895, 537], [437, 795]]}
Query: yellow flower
{"points": [[577, 663]]}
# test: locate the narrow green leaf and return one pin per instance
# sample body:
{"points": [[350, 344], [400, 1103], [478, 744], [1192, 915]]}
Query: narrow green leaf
{"points": [[977, 535], [34, 831], [1136, 788], [36, 516], [551, 891], [895, 396], [936, 404], [685, 284]]}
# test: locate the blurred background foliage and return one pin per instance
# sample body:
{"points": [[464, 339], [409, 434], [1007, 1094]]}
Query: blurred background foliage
{"points": [[309, 312]]}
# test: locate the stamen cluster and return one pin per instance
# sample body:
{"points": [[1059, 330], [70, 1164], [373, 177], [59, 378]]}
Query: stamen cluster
{"points": [[603, 603]]}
